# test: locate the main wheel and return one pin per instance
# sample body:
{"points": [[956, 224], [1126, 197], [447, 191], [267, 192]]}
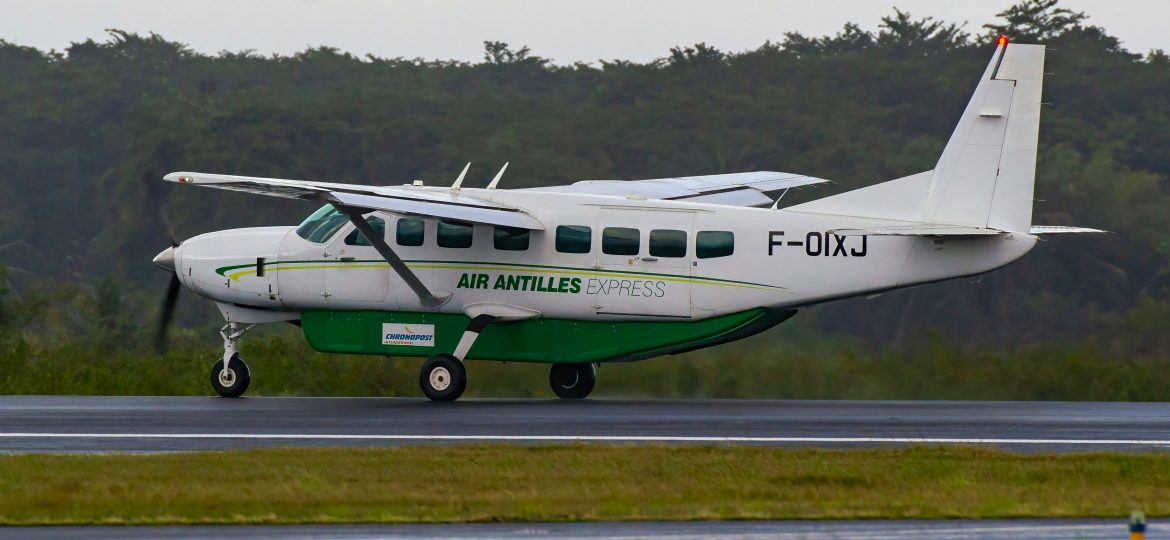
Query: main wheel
{"points": [[572, 381], [234, 382], [443, 378]]}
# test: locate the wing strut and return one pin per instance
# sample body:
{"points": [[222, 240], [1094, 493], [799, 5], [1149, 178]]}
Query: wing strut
{"points": [[428, 299]]}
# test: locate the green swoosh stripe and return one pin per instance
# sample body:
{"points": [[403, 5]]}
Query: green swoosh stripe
{"points": [[477, 265]]}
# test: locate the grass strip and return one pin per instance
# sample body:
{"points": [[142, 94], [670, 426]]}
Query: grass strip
{"points": [[574, 483]]}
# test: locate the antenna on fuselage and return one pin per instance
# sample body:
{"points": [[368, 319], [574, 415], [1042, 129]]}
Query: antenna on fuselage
{"points": [[776, 205], [459, 181], [496, 180]]}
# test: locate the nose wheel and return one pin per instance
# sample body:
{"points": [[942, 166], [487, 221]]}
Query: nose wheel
{"points": [[230, 376], [572, 381], [233, 380]]}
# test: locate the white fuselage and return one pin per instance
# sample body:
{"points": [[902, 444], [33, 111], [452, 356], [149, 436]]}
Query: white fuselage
{"points": [[780, 258]]}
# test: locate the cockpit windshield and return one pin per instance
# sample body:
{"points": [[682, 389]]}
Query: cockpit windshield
{"points": [[322, 224]]}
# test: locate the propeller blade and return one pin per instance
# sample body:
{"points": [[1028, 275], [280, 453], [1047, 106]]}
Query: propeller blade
{"points": [[166, 219], [168, 313]]}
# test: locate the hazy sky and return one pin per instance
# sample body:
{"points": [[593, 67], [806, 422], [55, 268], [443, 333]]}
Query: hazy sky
{"points": [[565, 31]]}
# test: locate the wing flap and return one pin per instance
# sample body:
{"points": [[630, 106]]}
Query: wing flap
{"points": [[738, 197]]}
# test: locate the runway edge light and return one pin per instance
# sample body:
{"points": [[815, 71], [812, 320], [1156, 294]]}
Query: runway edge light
{"points": [[1137, 525]]}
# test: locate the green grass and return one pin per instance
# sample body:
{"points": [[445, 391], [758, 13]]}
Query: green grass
{"points": [[571, 483]]}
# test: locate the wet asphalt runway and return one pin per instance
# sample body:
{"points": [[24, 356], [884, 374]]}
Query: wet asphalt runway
{"points": [[865, 530], [152, 424]]}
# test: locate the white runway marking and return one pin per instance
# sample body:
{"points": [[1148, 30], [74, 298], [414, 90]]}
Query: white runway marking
{"points": [[582, 438]]}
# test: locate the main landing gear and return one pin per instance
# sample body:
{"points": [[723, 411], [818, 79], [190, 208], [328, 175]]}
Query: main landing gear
{"points": [[572, 381], [230, 376], [443, 377]]}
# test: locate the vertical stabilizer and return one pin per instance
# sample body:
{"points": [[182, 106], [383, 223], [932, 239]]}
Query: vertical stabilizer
{"points": [[986, 174]]}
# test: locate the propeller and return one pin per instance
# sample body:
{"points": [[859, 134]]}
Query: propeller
{"points": [[168, 313], [165, 215], [166, 261]]}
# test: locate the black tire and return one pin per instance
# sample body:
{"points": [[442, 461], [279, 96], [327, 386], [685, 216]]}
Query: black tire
{"points": [[572, 381], [236, 383], [443, 378]]}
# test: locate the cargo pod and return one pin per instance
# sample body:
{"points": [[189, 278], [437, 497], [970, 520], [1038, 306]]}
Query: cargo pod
{"points": [[391, 333]]}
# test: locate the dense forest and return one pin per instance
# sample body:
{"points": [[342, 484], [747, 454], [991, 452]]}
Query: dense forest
{"points": [[87, 133]]}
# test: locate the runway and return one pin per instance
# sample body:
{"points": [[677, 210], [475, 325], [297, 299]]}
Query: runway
{"points": [[154, 424], [869, 530]]}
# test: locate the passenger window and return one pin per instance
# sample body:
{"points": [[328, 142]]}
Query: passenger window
{"points": [[668, 243], [619, 241], [455, 234], [410, 232], [356, 238], [574, 239], [710, 244], [511, 238]]}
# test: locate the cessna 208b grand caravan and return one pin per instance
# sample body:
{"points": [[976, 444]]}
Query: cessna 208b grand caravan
{"points": [[610, 270]]}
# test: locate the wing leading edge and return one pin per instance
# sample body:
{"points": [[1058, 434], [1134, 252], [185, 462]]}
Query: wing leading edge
{"points": [[736, 189], [390, 199]]}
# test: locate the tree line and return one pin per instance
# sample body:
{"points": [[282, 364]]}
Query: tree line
{"points": [[86, 134]]}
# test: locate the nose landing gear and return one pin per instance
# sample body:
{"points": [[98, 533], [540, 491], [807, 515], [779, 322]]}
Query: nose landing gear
{"points": [[230, 376], [232, 381]]}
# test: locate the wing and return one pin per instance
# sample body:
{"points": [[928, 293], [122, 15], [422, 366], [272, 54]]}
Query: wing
{"points": [[401, 200], [736, 189]]}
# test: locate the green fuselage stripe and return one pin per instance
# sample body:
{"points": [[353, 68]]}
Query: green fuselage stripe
{"points": [[237, 271]]}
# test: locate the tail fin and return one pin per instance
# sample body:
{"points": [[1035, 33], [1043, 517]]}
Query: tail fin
{"points": [[986, 174]]}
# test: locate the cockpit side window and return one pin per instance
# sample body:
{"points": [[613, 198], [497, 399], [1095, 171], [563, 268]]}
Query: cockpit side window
{"points": [[322, 224], [356, 238]]}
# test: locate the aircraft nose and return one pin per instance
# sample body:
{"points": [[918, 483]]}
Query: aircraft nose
{"points": [[166, 259]]}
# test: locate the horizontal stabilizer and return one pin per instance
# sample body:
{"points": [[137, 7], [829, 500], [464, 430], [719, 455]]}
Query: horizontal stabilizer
{"points": [[1058, 229], [925, 229], [931, 229]]}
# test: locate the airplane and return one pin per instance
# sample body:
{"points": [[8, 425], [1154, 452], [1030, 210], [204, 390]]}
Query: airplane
{"points": [[603, 271]]}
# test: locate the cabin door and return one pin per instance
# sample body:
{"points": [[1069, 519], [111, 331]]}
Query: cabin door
{"points": [[356, 275], [644, 257]]}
